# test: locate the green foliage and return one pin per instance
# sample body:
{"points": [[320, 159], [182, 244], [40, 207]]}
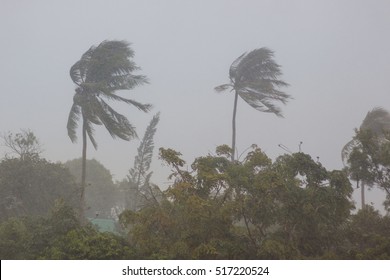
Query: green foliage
{"points": [[370, 162], [30, 186], [101, 194], [369, 235], [290, 208], [367, 155], [24, 144], [59, 236], [293, 208]]}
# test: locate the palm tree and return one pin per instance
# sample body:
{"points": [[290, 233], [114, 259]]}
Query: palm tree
{"points": [[377, 121], [101, 71], [254, 76]]}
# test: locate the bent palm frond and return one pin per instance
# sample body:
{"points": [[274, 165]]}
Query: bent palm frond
{"points": [[90, 132], [222, 87], [74, 117]]}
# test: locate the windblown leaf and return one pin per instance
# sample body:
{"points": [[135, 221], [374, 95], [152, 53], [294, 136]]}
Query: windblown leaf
{"points": [[90, 133], [74, 116], [222, 87]]}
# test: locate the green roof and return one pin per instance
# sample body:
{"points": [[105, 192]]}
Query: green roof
{"points": [[104, 225]]}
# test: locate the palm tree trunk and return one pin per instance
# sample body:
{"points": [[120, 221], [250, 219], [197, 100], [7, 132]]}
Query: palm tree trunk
{"points": [[83, 171], [363, 196], [234, 126]]}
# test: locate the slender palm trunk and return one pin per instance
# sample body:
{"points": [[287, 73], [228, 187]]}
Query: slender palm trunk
{"points": [[234, 126], [83, 171], [363, 196]]}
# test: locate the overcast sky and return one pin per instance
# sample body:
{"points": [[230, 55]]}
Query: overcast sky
{"points": [[334, 54]]}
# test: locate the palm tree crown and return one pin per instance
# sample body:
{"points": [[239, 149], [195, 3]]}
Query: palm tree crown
{"points": [[254, 76], [101, 71]]}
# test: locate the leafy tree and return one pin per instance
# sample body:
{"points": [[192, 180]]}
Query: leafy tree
{"points": [[30, 186], [24, 144], [358, 153], [99, 74], [313, 206], [59, 236], [368, 235], [370, 162], [254, 76], [101, 194], [292, 208]]}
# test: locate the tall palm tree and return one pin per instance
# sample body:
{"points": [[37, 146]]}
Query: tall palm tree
{"points": [[254, 76], [377, 121], [99, 74]]}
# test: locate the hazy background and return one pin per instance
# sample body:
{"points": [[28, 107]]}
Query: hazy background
{"points": [[334, 54]]}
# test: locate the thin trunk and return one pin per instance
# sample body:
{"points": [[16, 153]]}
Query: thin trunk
{"points": [[83, 172], [363, 196], [234, 126]]}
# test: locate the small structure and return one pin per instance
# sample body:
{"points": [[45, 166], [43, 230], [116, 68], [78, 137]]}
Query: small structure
{"points": [[104, 225]]}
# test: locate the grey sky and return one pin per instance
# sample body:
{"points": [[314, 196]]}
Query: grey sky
{"points": [[334, 54]]}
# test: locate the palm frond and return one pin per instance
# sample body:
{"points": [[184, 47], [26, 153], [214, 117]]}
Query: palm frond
{"points": [[73, 118], [234, 66], [116, 124], [110, 64], [90, 108], [260, 101], [256, 64], [90, 133], [138, 105], [78, 72], [347, 150], [126, 81], [222, 87]]}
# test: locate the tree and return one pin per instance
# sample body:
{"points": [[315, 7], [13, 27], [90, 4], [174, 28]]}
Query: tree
{"points": [[368, 235], [24, 144], [101, 194], [254, 76], [29, 187], [139, 188], [355, 154], [99, 74]]}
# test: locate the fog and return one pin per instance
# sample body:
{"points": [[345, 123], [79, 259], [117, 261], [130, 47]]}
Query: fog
{"points": [[334, 54]]}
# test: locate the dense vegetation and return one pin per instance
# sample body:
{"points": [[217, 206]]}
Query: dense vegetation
{"points": [[290, 208]]}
